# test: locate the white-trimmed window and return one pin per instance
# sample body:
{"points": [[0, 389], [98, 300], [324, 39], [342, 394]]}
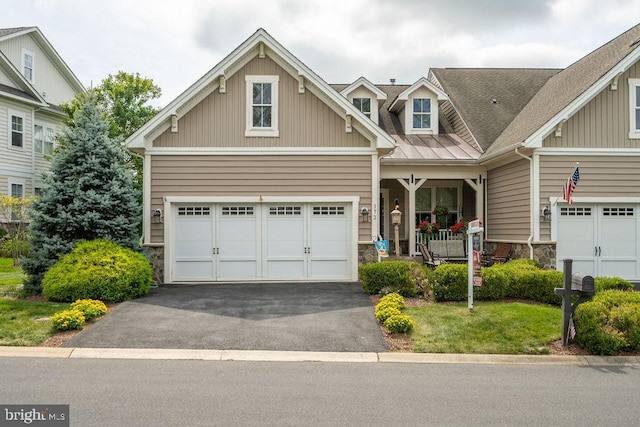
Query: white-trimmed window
{"points": [[421, 111], [16, 130], [28, 65], [16, 189], [364, 105], [262, 106], [43, 137], [634, 108]]}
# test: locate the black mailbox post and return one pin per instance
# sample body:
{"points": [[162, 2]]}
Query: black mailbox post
{"points": [[573, 284]]}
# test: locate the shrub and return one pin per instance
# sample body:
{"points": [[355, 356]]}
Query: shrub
{"points": [[393, 298], [90, 308], [610, 322], [399, 323], [528, 282], [494, 284], [392, 276], [603, 283], [13, 247], [450, 282], [68, 319], [100, 270], [385, 312]]}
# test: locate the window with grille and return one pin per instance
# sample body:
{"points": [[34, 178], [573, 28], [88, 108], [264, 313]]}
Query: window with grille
{"points": [[575, 211], [194, 211], [328, 210], [237, 210], [617, 211], [285, 210]]}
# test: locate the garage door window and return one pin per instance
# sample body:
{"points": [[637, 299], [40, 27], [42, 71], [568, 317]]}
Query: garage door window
{"points": [[237, 210], [617, 211], [328, 210], [285, 210], [575, 211], [194, 211]]}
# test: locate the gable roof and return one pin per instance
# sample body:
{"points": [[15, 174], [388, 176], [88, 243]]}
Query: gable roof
{"points": [[380, 95], [56, 59], [568, 91], [422, 82], [488, 99], [259, 43]]}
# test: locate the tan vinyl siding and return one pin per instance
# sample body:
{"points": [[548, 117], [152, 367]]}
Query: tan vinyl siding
{"points": [[456, 122], [508, 202], [600, 176], [260, 175], [603, 122], [220, 119]]}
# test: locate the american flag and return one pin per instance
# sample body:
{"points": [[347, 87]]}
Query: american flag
{"points": [[570, 185]]}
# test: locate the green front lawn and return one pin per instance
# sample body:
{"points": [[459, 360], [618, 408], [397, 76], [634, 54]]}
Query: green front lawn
{"points": [[22, 323], [492, 328]]}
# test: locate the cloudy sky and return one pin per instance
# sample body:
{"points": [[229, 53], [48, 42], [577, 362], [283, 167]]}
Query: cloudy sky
{"points": [[176, 42]]}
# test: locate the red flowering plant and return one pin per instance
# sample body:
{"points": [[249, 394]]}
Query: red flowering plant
{"points": [[459, 227], [428, 227]]}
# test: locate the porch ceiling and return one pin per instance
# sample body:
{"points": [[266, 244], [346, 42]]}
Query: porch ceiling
{"points": [[432, 147]]}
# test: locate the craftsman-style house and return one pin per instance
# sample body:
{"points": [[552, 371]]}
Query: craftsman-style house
{"points": [[262, 171]]}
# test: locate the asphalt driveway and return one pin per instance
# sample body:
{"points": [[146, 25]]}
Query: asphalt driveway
{"points": [[334, 317]]}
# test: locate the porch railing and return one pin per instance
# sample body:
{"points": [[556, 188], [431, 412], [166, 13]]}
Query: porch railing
{"points": [[444, 234]]}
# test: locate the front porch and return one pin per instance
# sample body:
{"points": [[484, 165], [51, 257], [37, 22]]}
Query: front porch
{"points": [[445, 195]]}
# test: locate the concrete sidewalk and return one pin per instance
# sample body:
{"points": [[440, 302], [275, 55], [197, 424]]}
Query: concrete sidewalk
{"points": [[303, 356]]}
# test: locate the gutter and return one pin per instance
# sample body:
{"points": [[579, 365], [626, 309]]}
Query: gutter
{"points": [[531, 214]]}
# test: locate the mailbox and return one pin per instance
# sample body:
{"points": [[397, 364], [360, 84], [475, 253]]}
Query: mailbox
{"points": [[583, 284]]}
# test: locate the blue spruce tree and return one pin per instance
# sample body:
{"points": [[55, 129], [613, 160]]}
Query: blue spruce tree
{"points": [[88, 194]]}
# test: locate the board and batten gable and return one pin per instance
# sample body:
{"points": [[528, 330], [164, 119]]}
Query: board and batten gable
{"points": [[601, 123], [508, 202], [600, 177], [220, 119]]}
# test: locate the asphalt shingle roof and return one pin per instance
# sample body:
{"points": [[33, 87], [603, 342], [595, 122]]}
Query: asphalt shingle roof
{"points": [[563, 88], [488, 99]]}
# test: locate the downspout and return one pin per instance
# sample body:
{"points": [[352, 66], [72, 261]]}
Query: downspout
{"points": [[531, 214]]}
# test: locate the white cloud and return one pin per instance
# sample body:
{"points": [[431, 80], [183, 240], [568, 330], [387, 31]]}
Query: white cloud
{"points": [[177, 42]]}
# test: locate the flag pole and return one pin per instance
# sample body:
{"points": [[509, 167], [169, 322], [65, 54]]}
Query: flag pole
{"points": [[562, 191]]}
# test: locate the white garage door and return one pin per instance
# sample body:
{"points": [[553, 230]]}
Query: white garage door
{"points": [[602, 240], [219, 242]]}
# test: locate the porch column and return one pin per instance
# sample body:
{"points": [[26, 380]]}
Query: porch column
{"points": [[478, 187], [411, 185]]}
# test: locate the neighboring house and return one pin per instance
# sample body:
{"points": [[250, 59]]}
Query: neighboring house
{"points": [[262, 171], [34, 81]]}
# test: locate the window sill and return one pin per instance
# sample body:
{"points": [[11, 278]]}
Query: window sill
{"points": [[269, 133], [634, 135]]}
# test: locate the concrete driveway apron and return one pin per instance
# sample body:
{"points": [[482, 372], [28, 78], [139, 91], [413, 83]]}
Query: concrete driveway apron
{"points": [[335, 317]]}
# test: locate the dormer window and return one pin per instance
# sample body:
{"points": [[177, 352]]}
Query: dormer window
{"points": [[28, 63], [364, 105], [422, 113], [262, 106]]}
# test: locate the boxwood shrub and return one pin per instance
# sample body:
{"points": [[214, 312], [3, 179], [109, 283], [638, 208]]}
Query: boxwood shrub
{"points": [[603, 283], [609, 322], [402, 277], [98, 269], [451, 283]]}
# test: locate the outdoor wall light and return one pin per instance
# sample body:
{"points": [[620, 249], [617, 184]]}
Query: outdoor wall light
{"points": [[157, 215], [546, 214], [365, 214], [396, 203]]}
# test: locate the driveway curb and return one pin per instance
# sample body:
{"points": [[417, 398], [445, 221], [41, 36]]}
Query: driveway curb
{"points": [[307, 356]]}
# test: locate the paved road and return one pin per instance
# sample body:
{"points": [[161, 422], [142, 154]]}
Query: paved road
{"points": [[110, 392]]}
